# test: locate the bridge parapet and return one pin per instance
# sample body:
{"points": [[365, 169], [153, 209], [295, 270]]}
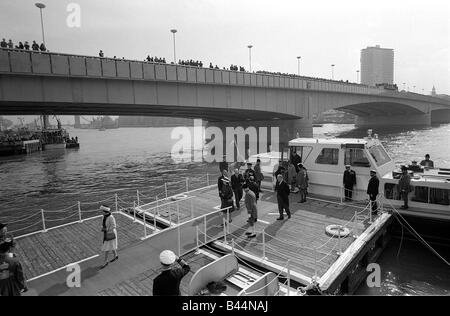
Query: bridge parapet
{"points": [[23, 62]]}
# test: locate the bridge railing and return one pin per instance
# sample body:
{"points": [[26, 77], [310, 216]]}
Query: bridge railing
{"points": [[21, 61]]}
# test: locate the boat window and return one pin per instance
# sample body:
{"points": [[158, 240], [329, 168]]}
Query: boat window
{"points": [[303, 152], [379, 155], [328, 156], [356, 157], [420, 194]]}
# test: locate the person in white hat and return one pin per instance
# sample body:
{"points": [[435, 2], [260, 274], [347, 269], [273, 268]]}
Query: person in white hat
{"points": [[168, 282], [109, 235]]}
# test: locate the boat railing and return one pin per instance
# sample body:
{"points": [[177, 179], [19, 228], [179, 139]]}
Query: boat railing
{"points": [[44, 220]]}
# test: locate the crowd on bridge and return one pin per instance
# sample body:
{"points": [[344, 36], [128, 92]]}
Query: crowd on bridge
{"points": [[23, 45]]}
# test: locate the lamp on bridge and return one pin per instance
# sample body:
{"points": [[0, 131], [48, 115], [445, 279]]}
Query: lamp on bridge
{"points": [[41, 6], [298, 59], [332, 71], [174, 52], [357, 76], [250, 56]]}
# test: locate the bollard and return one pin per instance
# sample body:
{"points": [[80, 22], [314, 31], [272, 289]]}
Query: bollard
{"points": [[187, 184], [165, 188], [117, 203], [43, 221], [138, 200], [79, 211]]}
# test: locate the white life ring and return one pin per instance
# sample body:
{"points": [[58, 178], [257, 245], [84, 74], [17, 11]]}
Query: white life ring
{"points": [[337, 230], [178, 197]]}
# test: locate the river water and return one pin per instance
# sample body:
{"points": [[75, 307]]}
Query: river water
{"points": [[122, 160]]}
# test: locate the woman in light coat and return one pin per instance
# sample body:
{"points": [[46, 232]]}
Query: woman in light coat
{"points": [[109, 235]]}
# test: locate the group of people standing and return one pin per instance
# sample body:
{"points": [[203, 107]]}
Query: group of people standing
{"points": [[35, 46], [248, 182]]}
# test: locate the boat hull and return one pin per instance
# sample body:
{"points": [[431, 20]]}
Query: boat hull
{"points": [[55, 146]]}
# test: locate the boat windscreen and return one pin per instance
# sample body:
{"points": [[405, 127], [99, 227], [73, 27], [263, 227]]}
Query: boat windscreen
{"points": [[379, 155]]}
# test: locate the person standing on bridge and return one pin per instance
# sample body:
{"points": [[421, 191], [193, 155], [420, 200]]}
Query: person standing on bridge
{"points": [[282, 189], [372, 190], [109, 230], [35, 46], [168, 282], [3, 44], [12, 279], [349, 181], [5, 236]]}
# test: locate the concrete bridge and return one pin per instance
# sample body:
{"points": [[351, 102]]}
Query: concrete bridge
{"points": [[52, 83]]}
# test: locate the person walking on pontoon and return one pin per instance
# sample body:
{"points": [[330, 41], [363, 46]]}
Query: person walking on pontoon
{"points": [[252, 210], [282, 189], [109, 230]]}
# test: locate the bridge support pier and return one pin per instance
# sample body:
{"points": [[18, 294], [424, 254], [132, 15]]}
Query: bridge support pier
{"points": [[440, 116], [393, 120], [271, 135]]}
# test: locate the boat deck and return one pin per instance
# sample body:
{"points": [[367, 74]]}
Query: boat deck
{"points": [[301, 239], [292, 239], [43, 253]]}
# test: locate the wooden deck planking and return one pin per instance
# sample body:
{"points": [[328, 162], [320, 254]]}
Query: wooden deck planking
{"points": [[142, 284], [44, 252], [306, 227]]}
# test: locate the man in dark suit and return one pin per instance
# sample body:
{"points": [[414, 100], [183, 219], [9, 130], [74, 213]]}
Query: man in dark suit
{"points": [[283, 190], [372, 190], [349, 181]]}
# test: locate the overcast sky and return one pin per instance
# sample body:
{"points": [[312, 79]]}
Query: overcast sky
{"points": [[322, 32]]}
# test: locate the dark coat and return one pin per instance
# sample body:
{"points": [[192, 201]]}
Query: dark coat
{"points": [[283, 191], [254, 187], [12, 279], [168, 282], [372, 187], [349, 178], [237, 182]]}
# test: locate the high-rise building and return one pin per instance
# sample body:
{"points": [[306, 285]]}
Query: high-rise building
{"points": [[377, 65]]}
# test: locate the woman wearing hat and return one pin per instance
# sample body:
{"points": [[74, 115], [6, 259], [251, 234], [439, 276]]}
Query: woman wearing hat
{"points": [[109, 235]]}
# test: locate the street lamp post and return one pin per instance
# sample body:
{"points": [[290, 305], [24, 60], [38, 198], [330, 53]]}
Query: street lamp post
{"points": [[41, 6], [250, 56], [298, 64], [332, 71], [174, 49], [357, 76]]}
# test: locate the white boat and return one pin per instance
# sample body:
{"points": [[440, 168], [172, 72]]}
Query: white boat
{"points": [[325, 161]]}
